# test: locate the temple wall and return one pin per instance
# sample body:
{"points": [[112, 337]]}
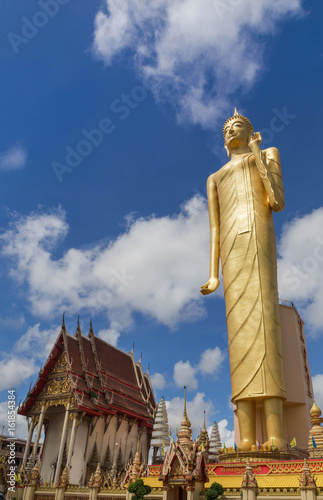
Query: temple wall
{"points": [[77, 463], [86, 438], [52, 441]]}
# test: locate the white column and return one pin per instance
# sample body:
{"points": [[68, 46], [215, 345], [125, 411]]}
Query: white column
{"points": [[29, 438], [61, 447], [39, 428], [71, 444]]}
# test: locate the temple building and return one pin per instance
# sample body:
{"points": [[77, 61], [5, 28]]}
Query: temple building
{"points": [[96, 405]]}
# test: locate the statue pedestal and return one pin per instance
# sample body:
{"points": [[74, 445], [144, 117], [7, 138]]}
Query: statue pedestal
{"points": [[266, 456]]}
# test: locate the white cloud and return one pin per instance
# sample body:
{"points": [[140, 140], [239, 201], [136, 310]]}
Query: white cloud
{"points": [[210, 362], [115, 278], [196, 54], [14, 370], [110, 335], [300, 266], [36, 342], [21, 424], [158, 380], [184, 374], [318, 390], [195, 409], [227, 436], [24, 359], [13, 159]]}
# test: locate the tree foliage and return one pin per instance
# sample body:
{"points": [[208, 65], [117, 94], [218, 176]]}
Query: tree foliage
{"points": [[139, 489], [214, 491]]}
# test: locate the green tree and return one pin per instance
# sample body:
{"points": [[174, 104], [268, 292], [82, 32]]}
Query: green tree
{"points": [[214, 491], [139, 489]]}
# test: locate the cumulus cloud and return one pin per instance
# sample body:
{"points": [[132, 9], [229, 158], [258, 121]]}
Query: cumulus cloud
{"points": [[27, 353], [13, 159], [300, 266], [184, 374], [115, 278], [195, 409], [14, 370], [318, 389], [158, 380], [36, 342], [227, 436], [195, 54], [110, 335], [210, 362]]}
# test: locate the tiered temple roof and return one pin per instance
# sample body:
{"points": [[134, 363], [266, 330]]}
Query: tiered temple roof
{"points": [[102, 379]]}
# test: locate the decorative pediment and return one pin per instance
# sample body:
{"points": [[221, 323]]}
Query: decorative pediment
{"points": [[61, 364], [181, 464]]}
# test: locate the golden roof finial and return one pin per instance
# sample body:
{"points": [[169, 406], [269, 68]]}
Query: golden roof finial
{"points": [[315, 411], [185, 433]]}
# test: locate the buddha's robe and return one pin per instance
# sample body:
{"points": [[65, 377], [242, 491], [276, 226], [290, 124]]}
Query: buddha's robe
{"points": [[249, 268]]}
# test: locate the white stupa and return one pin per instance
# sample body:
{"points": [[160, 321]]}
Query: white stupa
{"points": [[215, 443], [160, 435]]}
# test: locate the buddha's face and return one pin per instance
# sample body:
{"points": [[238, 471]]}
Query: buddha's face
{"points": [[236, 134]]}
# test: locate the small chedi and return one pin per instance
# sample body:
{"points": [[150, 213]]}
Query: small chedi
{"points": [[160, 437], [315, 442], [135, 469], [204, 439], [215, 444]]}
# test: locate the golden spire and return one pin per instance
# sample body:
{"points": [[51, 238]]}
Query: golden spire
{"points": [[204, 437], [185, 432]]}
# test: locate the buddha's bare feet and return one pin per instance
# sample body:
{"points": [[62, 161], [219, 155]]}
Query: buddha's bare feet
{"points": [[245, 445], [279, 444]]}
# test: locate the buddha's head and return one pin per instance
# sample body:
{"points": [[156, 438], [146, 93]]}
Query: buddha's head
{"points": [[237, 132]]}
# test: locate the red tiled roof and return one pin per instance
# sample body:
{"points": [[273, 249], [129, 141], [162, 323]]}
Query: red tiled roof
{"points": [[103, 379], [116, 363]]}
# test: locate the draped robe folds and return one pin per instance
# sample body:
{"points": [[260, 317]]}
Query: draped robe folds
{"points": [[249, 268]]}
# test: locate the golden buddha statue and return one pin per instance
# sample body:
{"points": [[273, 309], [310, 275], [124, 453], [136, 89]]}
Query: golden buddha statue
{"points": [[241, 197]]}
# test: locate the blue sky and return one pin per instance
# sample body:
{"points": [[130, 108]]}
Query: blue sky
{"points": [[119, 229]]}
